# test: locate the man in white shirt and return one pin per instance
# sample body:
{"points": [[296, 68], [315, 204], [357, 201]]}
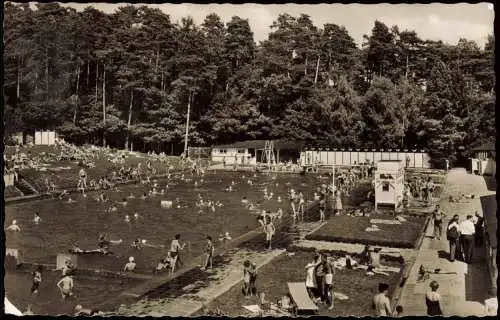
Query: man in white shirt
{"points": [[467, 231]]}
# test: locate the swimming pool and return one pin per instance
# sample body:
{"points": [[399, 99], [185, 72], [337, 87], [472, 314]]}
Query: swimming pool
{"points": [[64, 224]]}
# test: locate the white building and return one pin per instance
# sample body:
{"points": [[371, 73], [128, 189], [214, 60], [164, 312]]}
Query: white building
{"points": [[483, 161], [389, 183]]}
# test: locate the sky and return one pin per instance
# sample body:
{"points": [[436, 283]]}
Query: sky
{"points": [[446, 22]]}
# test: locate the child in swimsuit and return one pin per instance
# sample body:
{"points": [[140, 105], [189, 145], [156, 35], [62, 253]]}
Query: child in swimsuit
{"points": [[37, 279]]}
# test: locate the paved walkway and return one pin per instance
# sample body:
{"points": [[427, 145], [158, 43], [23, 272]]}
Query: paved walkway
{"points": [[200, 293], [463, 293]]}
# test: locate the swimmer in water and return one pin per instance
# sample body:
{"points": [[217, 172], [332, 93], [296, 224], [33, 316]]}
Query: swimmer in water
{"points": [[136, 216], [36, 218], [131, 196], [127, 218], [144, 196], [130, 266], [13, 227], [112, 209], [123, 202], [233, 183], [162, 191], [65, 192], [224, 237], [76, 248], [70, 201], [196, 184], [244, 200], [137, 244], [279, 199]]}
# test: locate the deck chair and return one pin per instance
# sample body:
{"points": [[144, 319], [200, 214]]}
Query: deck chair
{"points": [[301, 299]]}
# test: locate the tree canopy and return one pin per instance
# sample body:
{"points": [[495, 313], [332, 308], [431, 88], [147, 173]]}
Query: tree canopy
{"points": [[126, 78]]}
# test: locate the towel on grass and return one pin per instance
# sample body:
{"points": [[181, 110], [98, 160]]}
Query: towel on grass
{"points": [[340, 296], [253, 308]]}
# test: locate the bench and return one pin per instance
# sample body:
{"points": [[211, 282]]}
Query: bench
{"points": [[301, 299]]}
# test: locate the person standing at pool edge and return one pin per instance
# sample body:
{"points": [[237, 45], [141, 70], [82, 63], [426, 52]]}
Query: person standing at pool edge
{"points": [[175, 248], [65, 285], [209, 253], [438, 216]]}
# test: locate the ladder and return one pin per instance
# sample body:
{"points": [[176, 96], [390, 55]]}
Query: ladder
{"points": [[269, 157]]}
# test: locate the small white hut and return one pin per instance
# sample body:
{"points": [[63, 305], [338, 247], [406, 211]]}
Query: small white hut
{"points": [[483, 161], [389, 183]]}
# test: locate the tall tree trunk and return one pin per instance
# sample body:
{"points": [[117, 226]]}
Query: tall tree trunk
{"points": [[129, 118], [96, 80], [305, 69], [77, 90], [36, 81], [187, 126], [317, 70], [104, 103], [157, 59], [18, 91], [162, 89], [47, 71], [88, 72]]}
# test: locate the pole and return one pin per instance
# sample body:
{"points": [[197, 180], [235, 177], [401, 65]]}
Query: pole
{"points": [[187, 127], [333, 179]]}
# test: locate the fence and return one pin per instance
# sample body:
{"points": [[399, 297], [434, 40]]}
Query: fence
{"points": [[45, 138], [199, 152], [411, 159]]}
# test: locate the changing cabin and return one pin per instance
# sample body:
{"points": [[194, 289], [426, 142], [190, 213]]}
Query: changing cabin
{"points": [[389, 183]]}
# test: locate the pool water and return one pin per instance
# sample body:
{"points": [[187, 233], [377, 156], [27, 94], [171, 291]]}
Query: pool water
{"points": [[89, 290], [64, 224]]}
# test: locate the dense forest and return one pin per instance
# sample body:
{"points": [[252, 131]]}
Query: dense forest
{"points": [[127, 80]]}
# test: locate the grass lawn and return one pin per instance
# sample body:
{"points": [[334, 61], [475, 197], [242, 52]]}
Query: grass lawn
{"points": [[89, 290], [438, 177], [273, 277], [65, 173], [352, 230]]}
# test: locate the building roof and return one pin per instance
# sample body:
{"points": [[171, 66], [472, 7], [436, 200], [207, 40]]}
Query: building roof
{"points": [[489, 146], [489, 206], [260, 144]]}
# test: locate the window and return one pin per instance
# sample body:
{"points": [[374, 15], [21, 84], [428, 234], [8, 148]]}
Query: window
{"points": [[241, 150], [385, 186], [222, 151]]}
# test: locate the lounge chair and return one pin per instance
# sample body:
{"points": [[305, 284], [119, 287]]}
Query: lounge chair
{"points": [[301, 299]]}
